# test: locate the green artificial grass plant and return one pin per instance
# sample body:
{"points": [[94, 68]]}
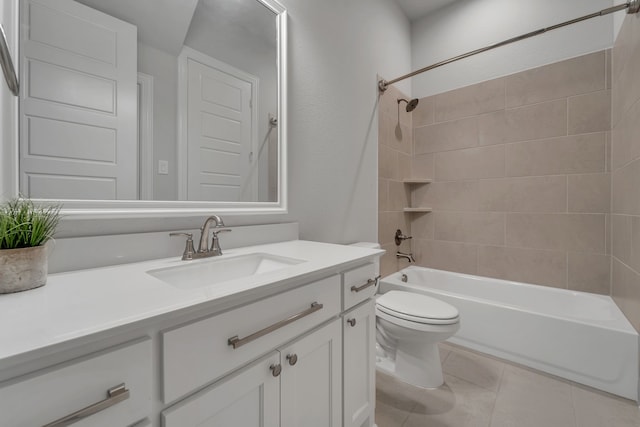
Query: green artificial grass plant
{"points": [[25, 225]]}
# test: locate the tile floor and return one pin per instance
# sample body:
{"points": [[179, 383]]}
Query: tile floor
{"points": [[481, 391]]}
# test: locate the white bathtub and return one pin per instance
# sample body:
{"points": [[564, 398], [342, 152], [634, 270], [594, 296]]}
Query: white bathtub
{"points": [[575, 335]]}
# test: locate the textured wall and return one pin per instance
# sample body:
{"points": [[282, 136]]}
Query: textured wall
{"points": [[467, 25], [625, 155], [521, 186]]}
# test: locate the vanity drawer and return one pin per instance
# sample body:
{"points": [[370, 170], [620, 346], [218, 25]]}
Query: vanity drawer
{"points": [[74, 387], [358, 285], [200, 352]]}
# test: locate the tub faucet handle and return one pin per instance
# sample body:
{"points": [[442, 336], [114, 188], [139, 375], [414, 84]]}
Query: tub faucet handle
{"points": [[401, 237]]}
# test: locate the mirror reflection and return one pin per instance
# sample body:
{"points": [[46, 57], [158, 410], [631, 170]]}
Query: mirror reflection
{"points": [[149, 100]]}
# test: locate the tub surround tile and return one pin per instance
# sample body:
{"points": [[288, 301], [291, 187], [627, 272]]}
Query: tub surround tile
{"points": [[388, 262], [470, 163], [626, 197], [526, 399], [446, 136], [387, 163], [521, 168], [472, 100], [423, 166], [634, 261], [621, 237], [625, 287], [399, 196], [589, 193], [545, 120], [423, 225], [569, 232], [530, 194], [470, 227], [451, 195], [566, 155], [383, 195], [590, 112], [624, 138], [589, 273], [450, 256], [558, 80], [424, 113], [547, 268]]}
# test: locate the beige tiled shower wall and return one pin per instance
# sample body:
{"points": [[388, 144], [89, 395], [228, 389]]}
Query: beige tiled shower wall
{"points": [[521, 183], [625, 159], [395, 147]]}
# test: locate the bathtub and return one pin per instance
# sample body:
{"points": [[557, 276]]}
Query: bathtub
{"points": [[575, 335]]}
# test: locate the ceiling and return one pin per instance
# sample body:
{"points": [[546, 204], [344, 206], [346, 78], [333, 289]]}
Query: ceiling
{"points": [[416, 9]]}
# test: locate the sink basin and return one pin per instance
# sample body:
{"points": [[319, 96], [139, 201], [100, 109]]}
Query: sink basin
{"points": [[211, 271]]}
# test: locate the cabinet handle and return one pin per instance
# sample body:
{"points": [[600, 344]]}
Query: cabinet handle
{"points": [[352, 322], [276, 369], [292, 358], [116, 395], [370, 282], [236, 342]]}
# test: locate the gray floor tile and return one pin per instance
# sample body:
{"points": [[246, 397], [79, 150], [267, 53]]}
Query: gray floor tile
{"points": [[595, 409], [528, 399], [481, 371]]}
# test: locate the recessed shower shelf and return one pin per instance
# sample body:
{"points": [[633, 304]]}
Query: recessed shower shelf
{"points": [[417, 181], [410, 210]]}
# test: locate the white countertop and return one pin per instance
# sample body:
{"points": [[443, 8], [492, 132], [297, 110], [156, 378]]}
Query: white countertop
{"points": [[78, 304]]}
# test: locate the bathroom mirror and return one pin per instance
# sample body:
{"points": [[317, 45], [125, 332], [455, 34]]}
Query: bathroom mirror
{"points": [[147, 106]]}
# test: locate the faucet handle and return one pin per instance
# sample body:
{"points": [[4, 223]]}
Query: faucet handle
{"points": [[215, 242], [189, 250]]}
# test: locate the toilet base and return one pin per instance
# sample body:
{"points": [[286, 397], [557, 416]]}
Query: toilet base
{"points": [[427, 374]]}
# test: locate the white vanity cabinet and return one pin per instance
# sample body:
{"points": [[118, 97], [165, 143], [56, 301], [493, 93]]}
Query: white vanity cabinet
{"points": [[291, 352], [359, 337], [297, 385], [79, 390], [359, 286]]}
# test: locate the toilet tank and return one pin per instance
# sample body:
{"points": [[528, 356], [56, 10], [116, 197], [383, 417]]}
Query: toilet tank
{"points": [[370, 245]]}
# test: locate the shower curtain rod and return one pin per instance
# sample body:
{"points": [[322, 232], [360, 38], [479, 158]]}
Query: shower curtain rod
{"points": [[633, 6]]}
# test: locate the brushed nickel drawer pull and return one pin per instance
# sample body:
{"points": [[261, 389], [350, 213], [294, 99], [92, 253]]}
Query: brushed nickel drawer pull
{"points": [[370, 282], [236, 342], [275, 369], [116, 395]]}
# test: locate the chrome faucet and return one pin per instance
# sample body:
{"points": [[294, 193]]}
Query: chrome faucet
{"points": [[204, 251], [408, 257], [204, 233]]}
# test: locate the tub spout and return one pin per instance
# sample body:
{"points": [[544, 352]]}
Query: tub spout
{"points": [[408, 257]]}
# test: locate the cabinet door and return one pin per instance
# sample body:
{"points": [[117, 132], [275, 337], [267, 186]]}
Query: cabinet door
{"points": [[250, 398], [359, 365], [311, 386]]}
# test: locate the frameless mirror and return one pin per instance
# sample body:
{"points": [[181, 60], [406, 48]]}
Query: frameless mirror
{"points": [[178, 100]]}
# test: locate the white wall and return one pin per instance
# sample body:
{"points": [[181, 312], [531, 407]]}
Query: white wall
{"points": [[336, 49], [164, 69], [471, 24]]}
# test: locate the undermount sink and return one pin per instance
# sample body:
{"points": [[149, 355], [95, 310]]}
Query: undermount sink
{"points": [[211, 271]]}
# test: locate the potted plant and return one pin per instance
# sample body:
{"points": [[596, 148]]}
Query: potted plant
{"points": [[25, 228]]}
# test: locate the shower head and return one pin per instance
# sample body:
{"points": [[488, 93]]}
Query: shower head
{"points": [[411, 104]]}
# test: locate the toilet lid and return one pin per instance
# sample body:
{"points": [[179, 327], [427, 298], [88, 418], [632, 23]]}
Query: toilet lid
{"points": [[416, 307]]}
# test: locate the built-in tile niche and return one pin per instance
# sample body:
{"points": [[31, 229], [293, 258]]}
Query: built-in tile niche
{"points": [[518, 172]]}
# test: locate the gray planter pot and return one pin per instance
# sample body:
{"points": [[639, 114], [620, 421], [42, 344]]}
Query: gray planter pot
{"points": [[22, 269]]}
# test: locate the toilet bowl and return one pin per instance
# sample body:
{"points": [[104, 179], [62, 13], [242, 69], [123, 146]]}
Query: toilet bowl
{"points": [[409, 327]]}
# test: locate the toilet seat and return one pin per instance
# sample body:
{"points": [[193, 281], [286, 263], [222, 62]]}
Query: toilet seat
{"points": [[417, 308]]}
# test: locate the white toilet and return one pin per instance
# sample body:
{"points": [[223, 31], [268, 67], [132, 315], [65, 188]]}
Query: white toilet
{"points": [[409, 328]]}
